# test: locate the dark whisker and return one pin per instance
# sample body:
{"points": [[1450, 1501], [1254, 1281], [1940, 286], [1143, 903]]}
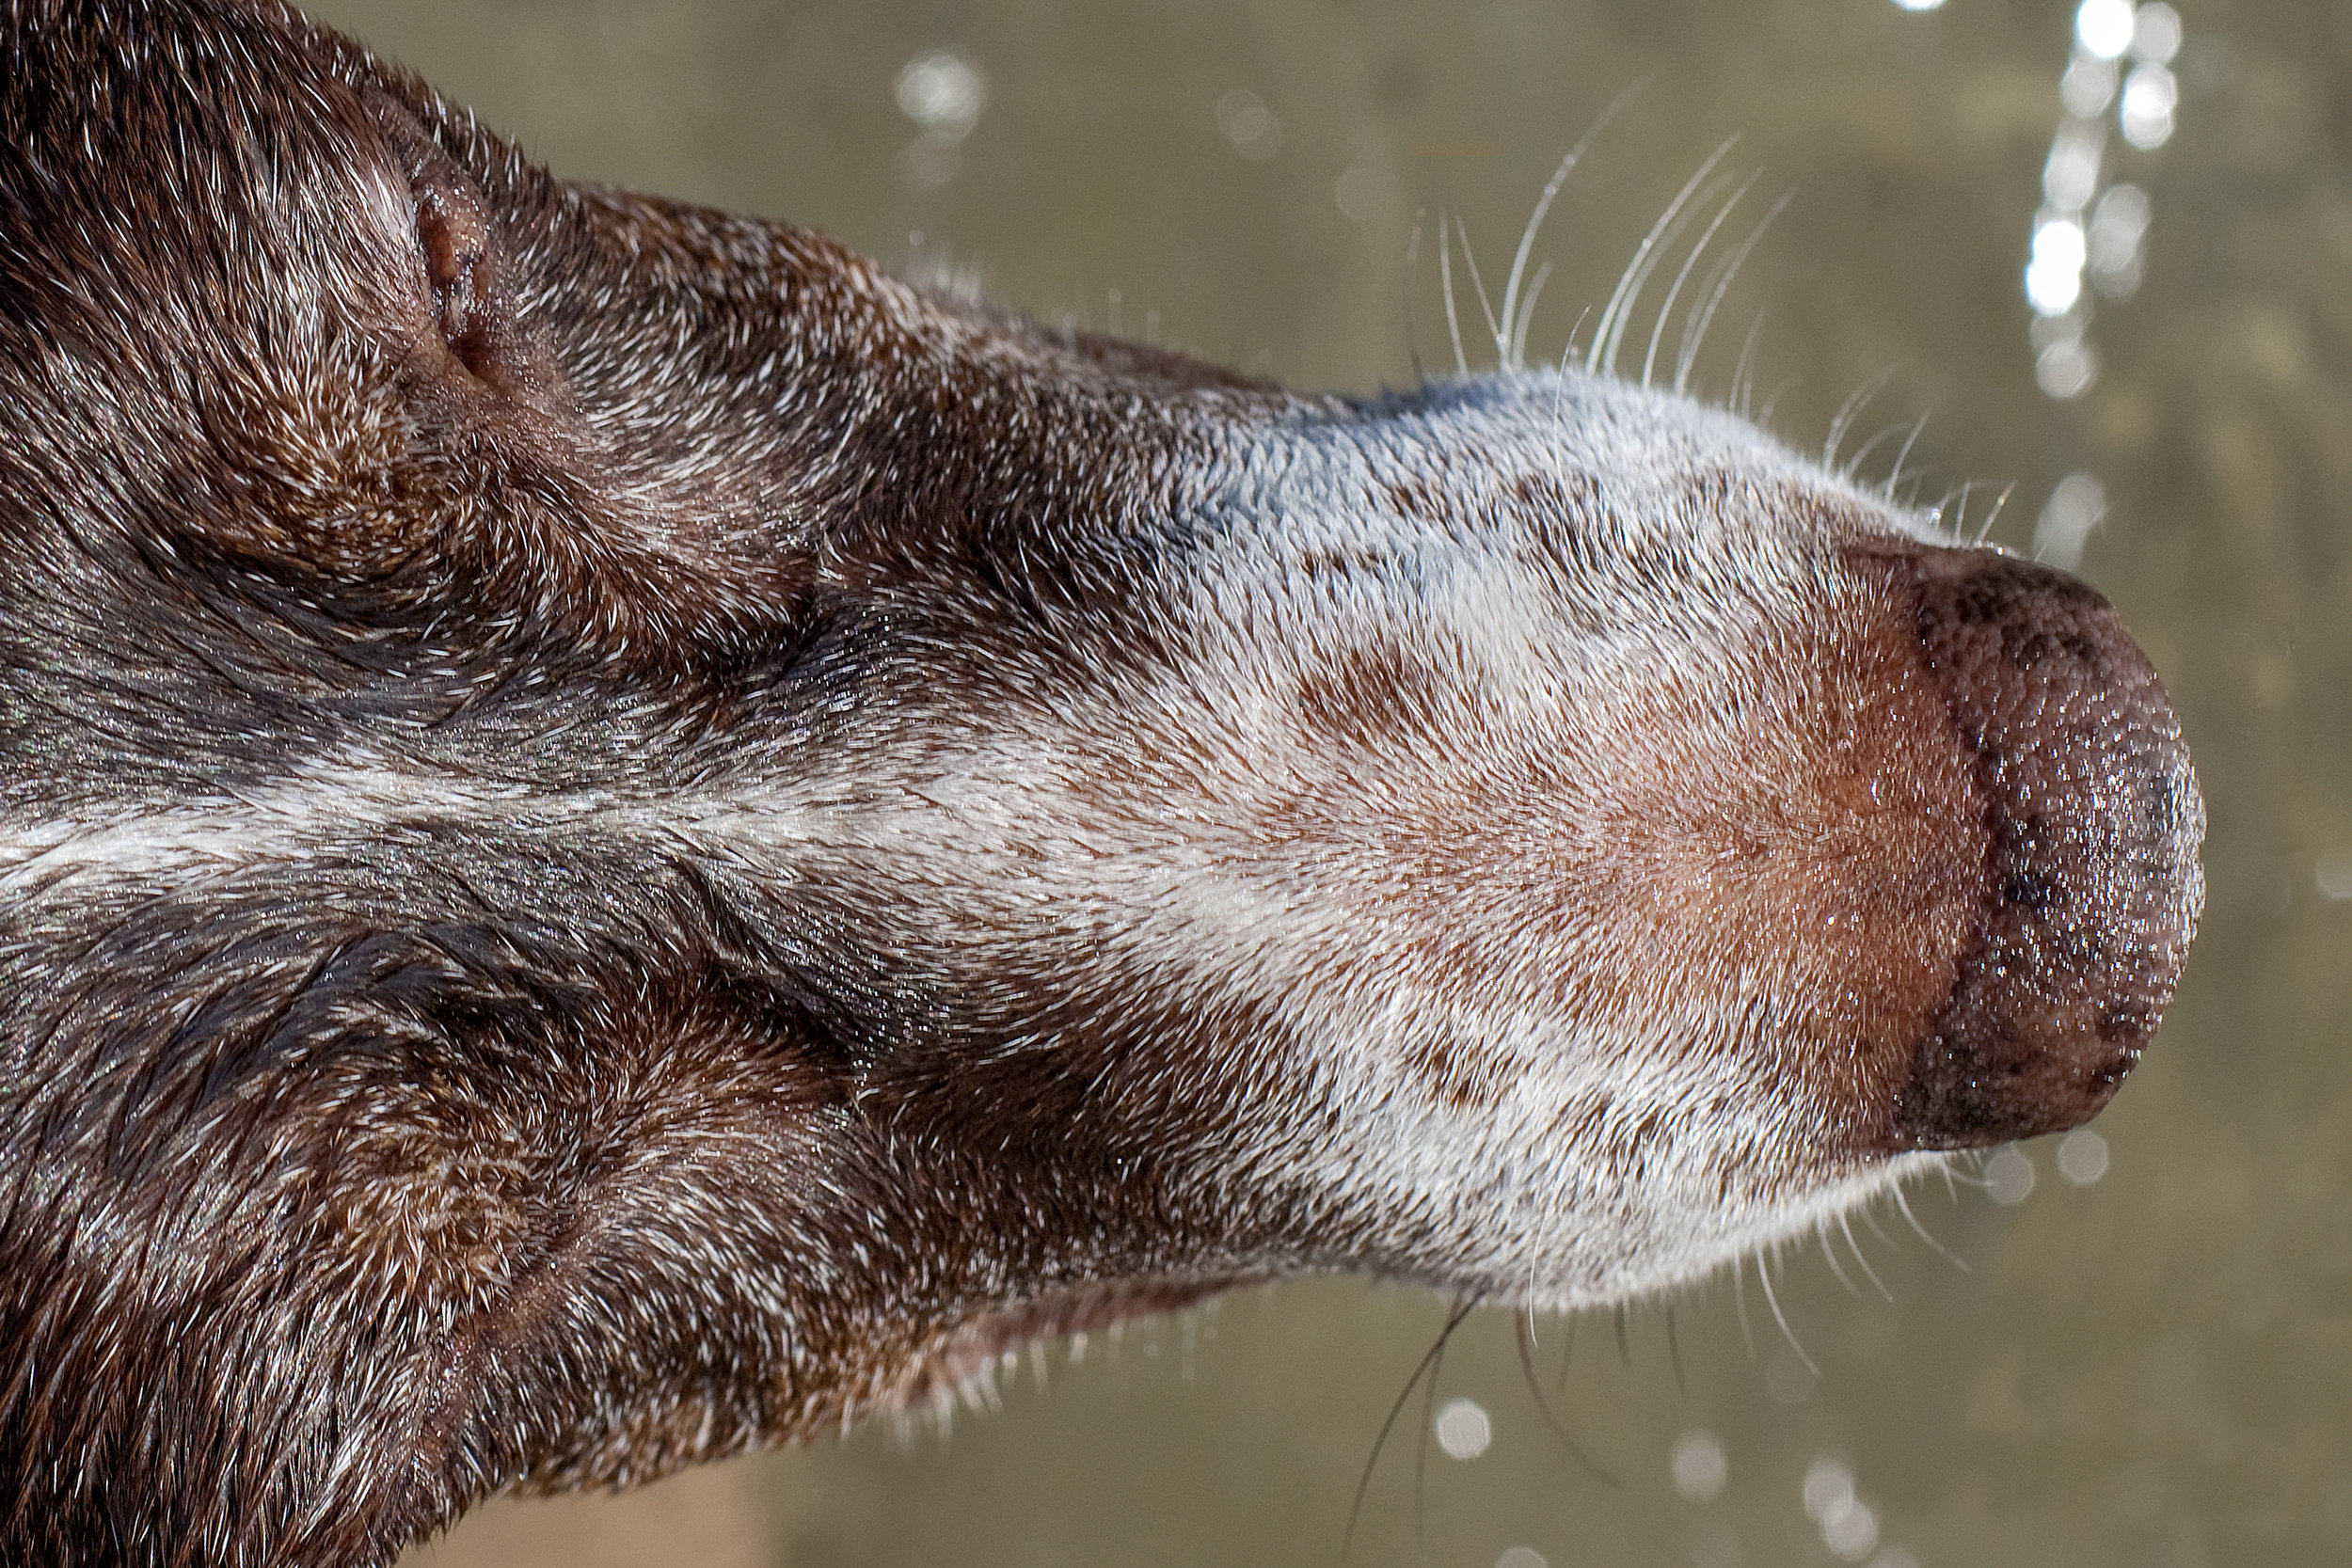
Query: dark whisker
{"points": [[1552, 1418], [1568, 1354], [1426, 1367]]}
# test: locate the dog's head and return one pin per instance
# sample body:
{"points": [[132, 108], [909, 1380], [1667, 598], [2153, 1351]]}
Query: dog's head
{"points": [[620, 834]]}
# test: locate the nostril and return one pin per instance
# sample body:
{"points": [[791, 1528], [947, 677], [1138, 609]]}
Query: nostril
{"points": [[2092, 826]]}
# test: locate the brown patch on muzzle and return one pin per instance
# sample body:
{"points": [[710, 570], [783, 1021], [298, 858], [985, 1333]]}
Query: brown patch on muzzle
{"points": [[2092, 823]]}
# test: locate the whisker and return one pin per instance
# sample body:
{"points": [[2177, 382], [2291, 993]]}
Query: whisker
{"points": [[1518, 339], [1864, 1262], [1943, 504], [1903, 455], [1976, 1179], [1741, 387], [1615, 314], [1624, 323], [1412, 334], [1568, 353], [1821, 1234], [1692, 338], [1959, 498], [1559, 388], [1445, 284], [1478, 285], [1422, 1368], [1559, 1429], [1674, 1354], [1543, 206], [1428, 1424], [1764, 1273], [1877, 438], [1856, 402], [1674, 292], [1625, 1344], [1740, 1304], [1902, 1202], [1985, 532]]}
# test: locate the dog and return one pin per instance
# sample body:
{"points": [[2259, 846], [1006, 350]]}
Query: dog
{"points": [[623, 837]]}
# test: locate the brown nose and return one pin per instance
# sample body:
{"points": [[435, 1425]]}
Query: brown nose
{"points": [[2093, 821]]}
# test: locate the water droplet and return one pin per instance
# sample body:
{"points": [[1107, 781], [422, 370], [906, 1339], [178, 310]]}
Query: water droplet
{"points": [[2333, 875], [2156, 33], [2075, 508], [2009, 1177], [2082, 1157], [2104, 26], [1851, 1530], [1700, 1465], [1360, 193], [2149, 97], [1828, 1487], [1248, 124], [1463, 1429], [940, 92]]}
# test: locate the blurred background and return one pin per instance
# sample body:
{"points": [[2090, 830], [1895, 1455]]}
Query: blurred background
{"points": [[2107, 253]]}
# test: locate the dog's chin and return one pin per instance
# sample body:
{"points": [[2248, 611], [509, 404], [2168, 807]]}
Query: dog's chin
{"points": [[960, 1362]]}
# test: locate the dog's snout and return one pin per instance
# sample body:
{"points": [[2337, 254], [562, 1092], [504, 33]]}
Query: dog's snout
{"points": [[2092, 823]]}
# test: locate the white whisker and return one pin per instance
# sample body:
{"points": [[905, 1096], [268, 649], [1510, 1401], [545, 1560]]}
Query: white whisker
{"points": [[1519, 338], [1543, 206], [1742, 389], [1693, 337], [1412, 337], [1740, 1304], [1878, 437], [1559, 386], [1957, 499], [2001, 501], [1902, 1202], [1478, 285], [1674, 292], [1445, 284], [1845, 1225], [1849, 410], [1764, 1273], [1903, 455], [1615, 315], [1821, 1234]]}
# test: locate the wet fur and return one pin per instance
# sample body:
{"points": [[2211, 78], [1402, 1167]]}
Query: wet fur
{"points": [[622, 836]]}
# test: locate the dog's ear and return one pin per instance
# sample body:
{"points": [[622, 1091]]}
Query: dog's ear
{"points": [[334, 320], [463, 270]]}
